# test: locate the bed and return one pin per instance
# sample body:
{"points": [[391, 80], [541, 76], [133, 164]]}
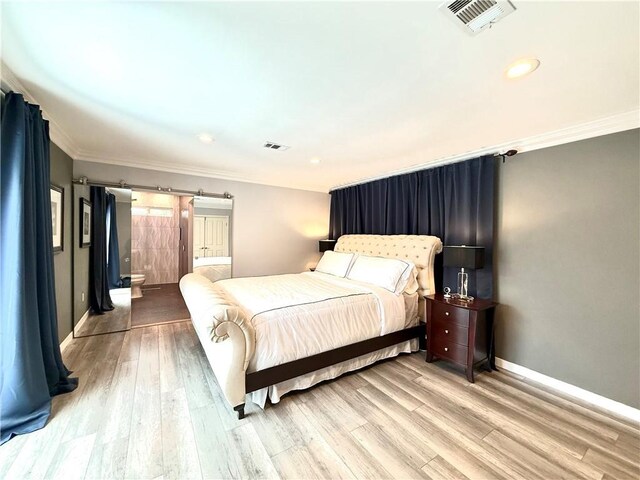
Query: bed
{"points": [[214, 268], [266, 336]]}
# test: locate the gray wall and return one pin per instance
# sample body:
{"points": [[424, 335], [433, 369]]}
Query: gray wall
{"points": [[80, 257], [61, 169], [568, 264], [275, 230]]}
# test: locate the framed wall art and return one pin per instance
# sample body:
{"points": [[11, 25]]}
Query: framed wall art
{"points": [[85, 223], [57, 217]]}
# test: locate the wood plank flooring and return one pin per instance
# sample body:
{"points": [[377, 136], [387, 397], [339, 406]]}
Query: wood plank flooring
{"points": [[148, 407], [116, 320]]}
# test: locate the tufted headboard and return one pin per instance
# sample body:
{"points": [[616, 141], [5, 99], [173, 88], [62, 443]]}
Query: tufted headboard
{"points": [[420, 249]]}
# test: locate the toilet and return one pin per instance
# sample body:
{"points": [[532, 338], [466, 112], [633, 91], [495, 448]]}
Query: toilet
{"points": [[137, 280]]}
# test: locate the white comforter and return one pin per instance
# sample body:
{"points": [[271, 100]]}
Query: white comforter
{"points": [[296, 316]]}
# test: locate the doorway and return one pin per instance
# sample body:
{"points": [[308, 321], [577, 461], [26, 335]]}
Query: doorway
{"points": [[211, 235], [156, 251]]}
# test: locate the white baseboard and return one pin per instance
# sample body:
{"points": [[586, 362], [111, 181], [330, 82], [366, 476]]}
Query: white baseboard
{"points": [[65, 343], [82, 320], [590, 397]]}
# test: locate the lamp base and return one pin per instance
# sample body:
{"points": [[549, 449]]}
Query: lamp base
{"points": [[463, 280]]}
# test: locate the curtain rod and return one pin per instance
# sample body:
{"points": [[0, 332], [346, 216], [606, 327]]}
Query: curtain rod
{"points": [[428, 166], [157, 188]]}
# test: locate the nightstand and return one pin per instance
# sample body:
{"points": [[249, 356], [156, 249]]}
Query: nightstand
{"points": [[461, 332]]}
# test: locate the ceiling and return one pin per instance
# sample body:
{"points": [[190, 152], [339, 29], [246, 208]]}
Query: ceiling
{"points": [[366, 88]]}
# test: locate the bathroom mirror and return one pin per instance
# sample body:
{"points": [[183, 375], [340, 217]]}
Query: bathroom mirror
{"points": [[212, 226], [101, 259]]}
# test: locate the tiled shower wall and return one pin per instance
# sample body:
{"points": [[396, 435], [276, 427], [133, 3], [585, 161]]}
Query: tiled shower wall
{"points": [[154, 239]]}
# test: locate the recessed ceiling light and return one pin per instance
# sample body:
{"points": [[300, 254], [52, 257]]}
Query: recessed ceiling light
{"points": [[315, 161], [205, 138], [522, 67]]}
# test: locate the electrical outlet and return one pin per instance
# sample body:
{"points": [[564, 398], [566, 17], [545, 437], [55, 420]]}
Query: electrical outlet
{"points": [[83, 296]]}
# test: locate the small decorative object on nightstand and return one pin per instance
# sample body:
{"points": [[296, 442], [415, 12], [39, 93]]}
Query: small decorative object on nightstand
{"points": [[461, 332]]}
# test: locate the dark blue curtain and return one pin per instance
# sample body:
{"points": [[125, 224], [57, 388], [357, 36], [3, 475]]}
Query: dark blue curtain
{"points": [[113, 251], [454, 202], [99, 297], [32, 369]]}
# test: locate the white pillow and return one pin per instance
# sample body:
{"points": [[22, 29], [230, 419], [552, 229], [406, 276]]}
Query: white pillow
{"points": [[335, 263], [390, 273]]}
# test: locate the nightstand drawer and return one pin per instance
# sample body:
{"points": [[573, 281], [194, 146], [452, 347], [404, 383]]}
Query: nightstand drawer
{"points": [[450, 313], [449, 350], [446, 331]]}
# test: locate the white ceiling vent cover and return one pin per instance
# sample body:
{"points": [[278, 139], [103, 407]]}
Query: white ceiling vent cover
{"points": [[473, 16]]}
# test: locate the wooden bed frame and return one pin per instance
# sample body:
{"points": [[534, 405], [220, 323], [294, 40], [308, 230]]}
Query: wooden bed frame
{"points": [[287, 371], [236, 334]]}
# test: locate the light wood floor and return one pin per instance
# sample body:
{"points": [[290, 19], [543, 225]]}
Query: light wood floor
{"points": [[149, 407], [115, 320]]}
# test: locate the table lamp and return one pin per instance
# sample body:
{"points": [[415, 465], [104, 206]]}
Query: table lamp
{"points": [[462, 257], [324, 245]]}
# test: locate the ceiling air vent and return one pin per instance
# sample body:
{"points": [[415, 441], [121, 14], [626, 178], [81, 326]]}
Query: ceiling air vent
{"points": [[275, 146], [473, 16]]}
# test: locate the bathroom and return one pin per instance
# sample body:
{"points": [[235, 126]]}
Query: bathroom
{"points": [[156, 242], [132, 248]]}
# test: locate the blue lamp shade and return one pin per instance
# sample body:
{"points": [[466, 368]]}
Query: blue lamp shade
{"points": [[324, 245], [463, 257]]}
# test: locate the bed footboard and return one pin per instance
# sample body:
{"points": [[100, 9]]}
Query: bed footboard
{"points": [[227, 337], [230, 364]]}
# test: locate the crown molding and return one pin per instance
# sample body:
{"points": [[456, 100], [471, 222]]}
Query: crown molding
{"points": [[57, 134], [596, 128], [85, 156]]}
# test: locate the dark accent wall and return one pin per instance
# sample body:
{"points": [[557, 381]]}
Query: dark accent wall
{"points": [[62, 175], [568, 264]]}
